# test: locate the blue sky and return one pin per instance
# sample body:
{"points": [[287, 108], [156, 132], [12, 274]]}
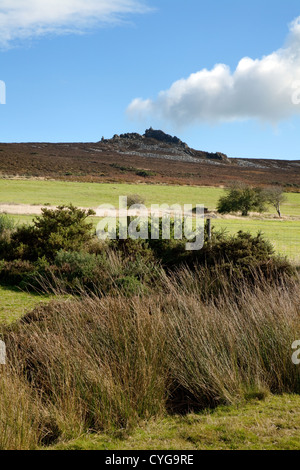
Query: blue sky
{"points": [[76, 75]]}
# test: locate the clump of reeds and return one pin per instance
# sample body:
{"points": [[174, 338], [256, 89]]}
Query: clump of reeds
{"points": [[106, 363]]}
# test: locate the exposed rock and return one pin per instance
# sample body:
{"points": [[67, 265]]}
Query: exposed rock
{"points": [[131, 136], [164, 145], [217, 156], [162, 137]]}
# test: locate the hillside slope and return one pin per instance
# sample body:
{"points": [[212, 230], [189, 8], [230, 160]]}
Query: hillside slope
{"points": [[154, 157]]}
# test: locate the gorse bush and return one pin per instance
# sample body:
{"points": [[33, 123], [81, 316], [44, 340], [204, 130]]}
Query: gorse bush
{"points": [[65, 228], [80, 265], [16, 272], [241, 250]]}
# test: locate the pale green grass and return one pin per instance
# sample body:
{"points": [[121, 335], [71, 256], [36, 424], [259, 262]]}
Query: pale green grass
{"points": [[14, 303], [94, 194], [273, 424], [22, 219]]}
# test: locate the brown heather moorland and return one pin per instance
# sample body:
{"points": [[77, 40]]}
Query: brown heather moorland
{"points": [[133, 158]]}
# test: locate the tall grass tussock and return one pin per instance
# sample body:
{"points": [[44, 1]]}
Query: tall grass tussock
{"points": [[107, 363]]}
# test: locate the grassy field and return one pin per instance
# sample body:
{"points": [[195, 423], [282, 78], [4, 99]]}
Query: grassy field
{"points": [[271, 424], [94, 194], [14, 303]]}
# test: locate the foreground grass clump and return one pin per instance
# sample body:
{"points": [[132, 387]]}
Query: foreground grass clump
{"points": [[107, 364], [20, 413], [99, 363]]}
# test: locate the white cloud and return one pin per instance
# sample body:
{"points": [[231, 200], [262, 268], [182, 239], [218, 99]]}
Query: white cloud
{"points": [[20, 19], [260, 89]]}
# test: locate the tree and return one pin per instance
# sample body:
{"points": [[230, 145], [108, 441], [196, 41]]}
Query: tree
{"points": [[275, 196], [242, 198]]}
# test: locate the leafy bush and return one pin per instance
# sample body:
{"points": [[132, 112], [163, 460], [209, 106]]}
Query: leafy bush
{"points": [[241, 197], [129, 286], [243, 252], [133, 199], [65, 228]]}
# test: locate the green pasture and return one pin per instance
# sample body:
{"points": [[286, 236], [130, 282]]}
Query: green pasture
{"points": [[94, 194], [272, 424], [15, 303]]}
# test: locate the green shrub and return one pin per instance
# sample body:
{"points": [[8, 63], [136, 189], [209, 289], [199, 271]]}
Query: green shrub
{"points": [[108, 364], [65, 228], [145, 173], [79, 270], [129, 285], [133, 199], [241, 197]]}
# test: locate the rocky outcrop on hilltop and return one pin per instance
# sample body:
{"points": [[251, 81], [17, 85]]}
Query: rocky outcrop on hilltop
{"points": [[157, 144]]}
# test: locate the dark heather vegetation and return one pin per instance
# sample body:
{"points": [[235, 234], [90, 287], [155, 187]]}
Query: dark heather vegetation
{"points": [[148, 330]]}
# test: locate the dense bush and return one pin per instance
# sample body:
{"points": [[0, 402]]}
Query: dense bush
{"points": [[242, 198], [61, 245], [133, 199], [145, 173], [16, 272], [65, 228]]}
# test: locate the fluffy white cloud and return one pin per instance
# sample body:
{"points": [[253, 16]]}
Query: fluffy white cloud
{"points": [[21, 19], [266, 89]]}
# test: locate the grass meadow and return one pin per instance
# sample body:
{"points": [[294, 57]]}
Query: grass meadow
{"points": [[94, 194], [257, 425], [15, 303]]}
